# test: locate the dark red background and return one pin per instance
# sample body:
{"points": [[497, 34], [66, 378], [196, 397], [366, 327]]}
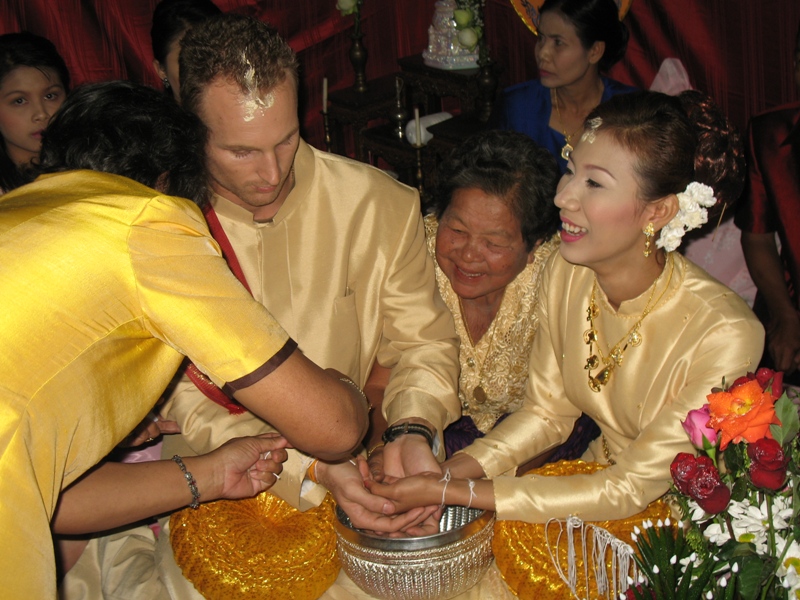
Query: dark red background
{"points": [[739, 51]]}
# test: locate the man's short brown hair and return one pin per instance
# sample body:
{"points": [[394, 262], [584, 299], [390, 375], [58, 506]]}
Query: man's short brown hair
{"points": [[238, 49]]}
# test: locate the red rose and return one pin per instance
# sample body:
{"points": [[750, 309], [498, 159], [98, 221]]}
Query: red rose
{"points": [[767, 464], [764, 375], [743, 379], [683, 470], [707, 489]]}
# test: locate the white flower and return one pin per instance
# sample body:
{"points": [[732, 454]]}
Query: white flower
{"points": [[690, 215], [789, 569]]}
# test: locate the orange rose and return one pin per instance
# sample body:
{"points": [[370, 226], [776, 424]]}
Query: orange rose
{"points": [[744, 412]]}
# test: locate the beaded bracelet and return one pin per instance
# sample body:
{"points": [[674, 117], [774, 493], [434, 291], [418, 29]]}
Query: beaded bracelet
{"points": [[189, 481], [358, 389]]}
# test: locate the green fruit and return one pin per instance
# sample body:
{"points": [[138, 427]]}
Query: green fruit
{"points": [[468, 38], [463, 17]]}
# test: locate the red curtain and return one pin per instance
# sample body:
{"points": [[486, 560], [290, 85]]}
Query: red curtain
{"points": [[739, 51]]}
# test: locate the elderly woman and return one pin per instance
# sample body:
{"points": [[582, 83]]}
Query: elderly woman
{"points": [[493, 227]]}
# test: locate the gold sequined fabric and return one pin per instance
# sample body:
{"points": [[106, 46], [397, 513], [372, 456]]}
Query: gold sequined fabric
{"points": [[499, 361], [256, 549], [521, 549]]}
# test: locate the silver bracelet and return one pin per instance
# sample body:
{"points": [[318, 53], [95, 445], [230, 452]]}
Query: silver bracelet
{"points": [[189, 481]]}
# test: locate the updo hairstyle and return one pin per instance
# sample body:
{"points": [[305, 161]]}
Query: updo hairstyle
{"points": [[676, 140], [510, 166], [595, 21]]}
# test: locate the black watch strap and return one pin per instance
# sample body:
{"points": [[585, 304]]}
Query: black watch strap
{"points": [[395, 431]]}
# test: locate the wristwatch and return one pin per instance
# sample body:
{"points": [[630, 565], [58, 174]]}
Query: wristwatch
{"points": [[395, 431]]}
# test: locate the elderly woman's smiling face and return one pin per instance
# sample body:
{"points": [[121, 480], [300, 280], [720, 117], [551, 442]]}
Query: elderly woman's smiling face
{"points": [[479, 245]]}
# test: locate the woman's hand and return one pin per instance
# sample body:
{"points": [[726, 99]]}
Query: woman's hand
{"points": [[244, 467], [462, 465], [411, 492], [148, 430]]}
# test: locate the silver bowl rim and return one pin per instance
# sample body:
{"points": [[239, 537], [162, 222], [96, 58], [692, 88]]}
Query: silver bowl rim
{"points": [[364, 539]]}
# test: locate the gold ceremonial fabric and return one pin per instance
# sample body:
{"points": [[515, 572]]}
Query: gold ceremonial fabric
{"points": [[499, 361], [344, 268], [256, 549], [524, 552], [698, 333], [106, 285]]}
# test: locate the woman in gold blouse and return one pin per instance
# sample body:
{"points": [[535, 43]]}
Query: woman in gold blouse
{"points": [[630, 332], [492, 229]]}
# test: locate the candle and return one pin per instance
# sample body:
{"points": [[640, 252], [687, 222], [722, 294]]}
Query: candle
{"points": [[325, 95], [417, 125]]}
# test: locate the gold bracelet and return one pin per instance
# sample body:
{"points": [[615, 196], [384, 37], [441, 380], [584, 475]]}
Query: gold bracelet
{"points": [[372, 450], [311, 472]]}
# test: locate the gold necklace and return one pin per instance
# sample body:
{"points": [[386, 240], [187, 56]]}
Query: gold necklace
{"points": [[479, 393], [632, 338], [567, 148]]}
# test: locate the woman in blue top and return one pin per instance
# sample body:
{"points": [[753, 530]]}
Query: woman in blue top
{"points": [[577, 41]]}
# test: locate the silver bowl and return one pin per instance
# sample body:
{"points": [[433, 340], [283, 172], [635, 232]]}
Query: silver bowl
{"points": [[441, 565]]}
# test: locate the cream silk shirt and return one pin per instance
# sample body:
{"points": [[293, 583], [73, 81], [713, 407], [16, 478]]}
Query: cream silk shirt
{"points": [[344, 268], [106, 285], [698, 333]]}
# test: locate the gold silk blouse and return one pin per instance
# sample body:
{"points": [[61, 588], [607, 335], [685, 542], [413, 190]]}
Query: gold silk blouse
{"points": [[498, 363], [106, 285], [698, 333]]}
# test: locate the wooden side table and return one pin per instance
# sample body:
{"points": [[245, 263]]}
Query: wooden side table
{"points": [[411, 162], [349, 108], [429, 84]]}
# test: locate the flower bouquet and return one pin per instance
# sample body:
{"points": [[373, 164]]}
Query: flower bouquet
{"points": [[740, 538]]}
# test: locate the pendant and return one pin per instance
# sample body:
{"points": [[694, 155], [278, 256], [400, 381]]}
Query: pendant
{"points": [[480, 395], [604, 375], [590, 336], [592, 363], [617, 355], [592, 312], [595, 383], [635, 338], [566, 150]]}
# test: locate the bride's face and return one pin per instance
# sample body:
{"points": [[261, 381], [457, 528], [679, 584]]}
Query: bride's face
{"points": [[602, 216]]}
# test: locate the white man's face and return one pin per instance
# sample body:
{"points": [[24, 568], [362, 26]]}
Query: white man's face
{"points": [[252, 144]]}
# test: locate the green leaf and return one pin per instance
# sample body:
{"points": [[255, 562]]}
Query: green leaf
{"points": [[739, 489], [750, 568], [734, 457], [786, 411]]}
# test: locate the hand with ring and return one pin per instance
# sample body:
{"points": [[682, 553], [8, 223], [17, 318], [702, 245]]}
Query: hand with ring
{"points": [[151, 428]]}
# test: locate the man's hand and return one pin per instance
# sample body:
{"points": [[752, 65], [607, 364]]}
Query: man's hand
{"points": [[345, 481], [408, 455]]}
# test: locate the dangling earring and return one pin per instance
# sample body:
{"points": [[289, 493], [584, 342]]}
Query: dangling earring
{"points": [[165, 81], [648, 233]]}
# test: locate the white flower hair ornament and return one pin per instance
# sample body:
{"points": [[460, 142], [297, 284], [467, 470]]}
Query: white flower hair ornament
{"points": [[692, 214]]}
